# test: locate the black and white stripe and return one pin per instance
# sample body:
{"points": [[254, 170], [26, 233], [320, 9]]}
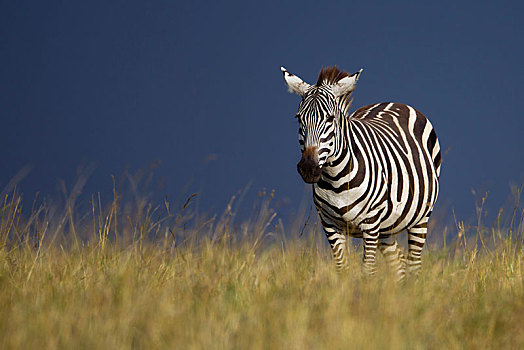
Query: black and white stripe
{"points": [[374, 173]]}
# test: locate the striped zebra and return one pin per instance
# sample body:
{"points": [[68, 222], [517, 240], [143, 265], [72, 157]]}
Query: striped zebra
{"points": [[374, 173]]}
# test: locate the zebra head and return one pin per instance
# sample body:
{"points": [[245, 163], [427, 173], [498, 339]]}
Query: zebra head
{"points": [[319, 115]]}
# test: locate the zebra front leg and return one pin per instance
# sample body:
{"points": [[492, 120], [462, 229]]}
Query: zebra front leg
{"points": [[416, 241], [337, 242], [370, 235], [394, 257], [370, 252]]}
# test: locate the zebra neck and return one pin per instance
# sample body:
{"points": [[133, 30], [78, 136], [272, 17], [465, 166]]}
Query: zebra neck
{"points": [[341, 147], [341, 165]]}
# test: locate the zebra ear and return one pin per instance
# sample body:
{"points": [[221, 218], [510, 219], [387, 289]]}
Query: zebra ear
{"points": [[345, 85], [294, 83]]}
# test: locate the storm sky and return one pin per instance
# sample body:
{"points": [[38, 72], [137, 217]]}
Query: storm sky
{"points": [[196, 87]]}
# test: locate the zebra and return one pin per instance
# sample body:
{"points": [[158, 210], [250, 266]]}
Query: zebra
{"points": [[375, 173]]}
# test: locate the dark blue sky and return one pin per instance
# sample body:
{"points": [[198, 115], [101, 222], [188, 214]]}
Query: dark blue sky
{"points": [[197, 85]]}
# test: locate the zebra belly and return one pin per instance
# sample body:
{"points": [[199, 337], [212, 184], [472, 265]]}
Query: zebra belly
{"points": [[348, 216]]}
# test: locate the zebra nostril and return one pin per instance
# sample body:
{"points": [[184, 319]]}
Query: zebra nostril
{"points": [[309, 169]]}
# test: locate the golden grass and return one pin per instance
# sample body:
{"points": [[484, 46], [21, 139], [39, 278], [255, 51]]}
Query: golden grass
{"points": [[241, 287]]}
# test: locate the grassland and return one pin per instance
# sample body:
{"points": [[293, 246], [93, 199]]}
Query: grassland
{"points": [[153, 278]]}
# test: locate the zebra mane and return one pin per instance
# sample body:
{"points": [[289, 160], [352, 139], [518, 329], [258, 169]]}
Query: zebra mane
{"points": [[331, 75]]}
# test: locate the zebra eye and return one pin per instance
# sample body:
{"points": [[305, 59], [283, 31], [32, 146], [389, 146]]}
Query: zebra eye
{"points": [[297, 116], [330, 118]]}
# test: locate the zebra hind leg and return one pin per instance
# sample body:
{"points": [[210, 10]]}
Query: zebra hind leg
{"points": [[394, 257], [416, 241]]}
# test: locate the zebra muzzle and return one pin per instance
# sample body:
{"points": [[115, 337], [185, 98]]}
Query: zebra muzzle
{"points": [[308, 166]]}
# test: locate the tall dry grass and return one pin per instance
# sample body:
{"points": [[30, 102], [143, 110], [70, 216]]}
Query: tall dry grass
{"points": [[141, 276]]}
